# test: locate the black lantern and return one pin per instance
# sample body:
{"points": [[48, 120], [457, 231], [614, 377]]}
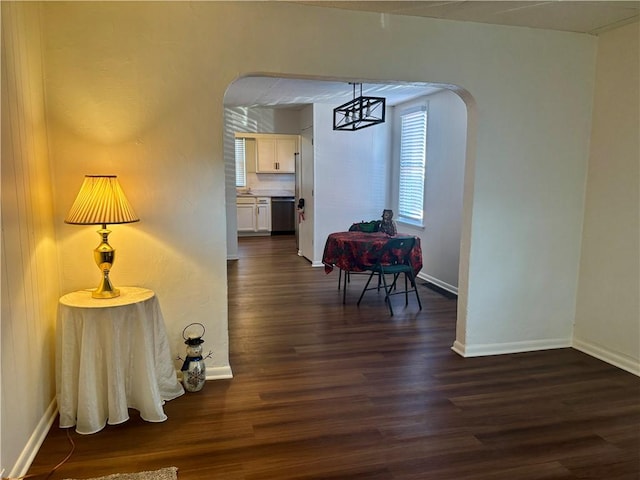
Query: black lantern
{"points": [[361, 112]]}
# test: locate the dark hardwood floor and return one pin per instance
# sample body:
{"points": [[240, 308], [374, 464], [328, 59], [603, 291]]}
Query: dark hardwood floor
{"points": [[323, 390]]}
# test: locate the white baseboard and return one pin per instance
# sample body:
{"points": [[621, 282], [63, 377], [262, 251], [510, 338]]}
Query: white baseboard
{"points": [[625, 362], [35, 442], [422, 276], [511, 347], [233, 257], [38, 436], [438, 283], [219, 373], [458, 347]]}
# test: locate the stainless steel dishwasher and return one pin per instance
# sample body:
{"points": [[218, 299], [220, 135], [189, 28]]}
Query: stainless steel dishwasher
{"points": [[283, 215]]}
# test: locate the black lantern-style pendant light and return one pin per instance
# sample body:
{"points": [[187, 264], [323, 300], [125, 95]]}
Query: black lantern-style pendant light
{"points": [[361, 112]]}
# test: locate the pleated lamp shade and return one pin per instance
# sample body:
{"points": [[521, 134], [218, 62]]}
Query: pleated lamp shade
{"points": [[101, 200]]}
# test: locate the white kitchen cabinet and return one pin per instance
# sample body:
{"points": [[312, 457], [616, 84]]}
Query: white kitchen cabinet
{"points": [[276, 153], [263, 215], [246, 217], [254, 215]]}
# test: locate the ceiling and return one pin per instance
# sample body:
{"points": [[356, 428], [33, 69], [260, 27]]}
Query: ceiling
{"points": [[276, 92], [590, 17]]}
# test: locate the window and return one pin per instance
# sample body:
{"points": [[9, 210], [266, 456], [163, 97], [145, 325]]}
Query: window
{"points": [[413, 147], [241, 172]]}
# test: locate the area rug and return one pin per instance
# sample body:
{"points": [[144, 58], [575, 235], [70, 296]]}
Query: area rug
{"points": [[169, 473]]}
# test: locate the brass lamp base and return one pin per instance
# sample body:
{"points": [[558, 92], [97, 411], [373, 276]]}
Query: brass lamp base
{"points": [[105, 255], [105, 289]]}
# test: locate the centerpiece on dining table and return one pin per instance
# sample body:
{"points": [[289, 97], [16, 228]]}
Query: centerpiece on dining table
{"points": [[386, 225]]}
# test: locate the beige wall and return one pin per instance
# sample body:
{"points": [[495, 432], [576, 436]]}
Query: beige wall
{"points": [[144, 100], [29, 266], [136, 89], [608, 314]]}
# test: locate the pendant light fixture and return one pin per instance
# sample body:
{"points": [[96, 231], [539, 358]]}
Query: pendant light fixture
{"points": [[361, 112]]}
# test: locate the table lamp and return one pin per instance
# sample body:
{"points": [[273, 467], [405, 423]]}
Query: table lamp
{"points": [[101, 201]]}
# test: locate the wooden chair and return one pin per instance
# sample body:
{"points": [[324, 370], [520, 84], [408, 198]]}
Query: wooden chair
{"points": [[393, 259]]}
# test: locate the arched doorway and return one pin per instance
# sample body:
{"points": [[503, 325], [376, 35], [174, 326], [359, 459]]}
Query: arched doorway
{"points": [[261, 103]]}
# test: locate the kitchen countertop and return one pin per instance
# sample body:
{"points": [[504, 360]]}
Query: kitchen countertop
{"points": [[267, 193]]}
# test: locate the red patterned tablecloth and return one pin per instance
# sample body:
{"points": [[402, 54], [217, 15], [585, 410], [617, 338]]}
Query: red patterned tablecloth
{"points": [[355, 251]]}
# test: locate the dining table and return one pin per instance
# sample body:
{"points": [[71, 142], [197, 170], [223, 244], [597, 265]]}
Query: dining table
{"points": [[355, 251]]}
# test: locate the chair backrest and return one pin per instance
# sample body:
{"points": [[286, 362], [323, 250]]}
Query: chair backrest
{"points": [[396, 251], [368, 227]]}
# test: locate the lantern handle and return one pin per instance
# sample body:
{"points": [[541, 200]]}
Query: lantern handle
{"points": [[196, 323]]}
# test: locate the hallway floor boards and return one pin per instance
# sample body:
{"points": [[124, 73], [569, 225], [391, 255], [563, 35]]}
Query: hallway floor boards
{"points": [[323, 390]]}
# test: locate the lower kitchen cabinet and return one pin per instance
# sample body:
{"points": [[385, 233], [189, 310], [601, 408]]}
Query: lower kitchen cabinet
{"points": [[246, 217], [263, 215], [254, 215]]}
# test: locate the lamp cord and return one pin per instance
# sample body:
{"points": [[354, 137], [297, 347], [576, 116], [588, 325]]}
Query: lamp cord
{"points": [[52, 471]]}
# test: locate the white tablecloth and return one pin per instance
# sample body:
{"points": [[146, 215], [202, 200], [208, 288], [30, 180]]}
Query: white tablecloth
{"points": [[112, 354]]}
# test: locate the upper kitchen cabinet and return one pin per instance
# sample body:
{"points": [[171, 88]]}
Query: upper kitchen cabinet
{"points": [[276, 153]]}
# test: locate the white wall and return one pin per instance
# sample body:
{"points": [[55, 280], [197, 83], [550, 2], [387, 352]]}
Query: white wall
{"points": [[161, 130], [137, 88], [608, 314], [444, 185], [29, 269], [254, 120], [351, 175]]}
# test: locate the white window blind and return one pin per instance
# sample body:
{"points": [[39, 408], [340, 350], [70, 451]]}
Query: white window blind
{"points": [[413, 148], [241, 172]]}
